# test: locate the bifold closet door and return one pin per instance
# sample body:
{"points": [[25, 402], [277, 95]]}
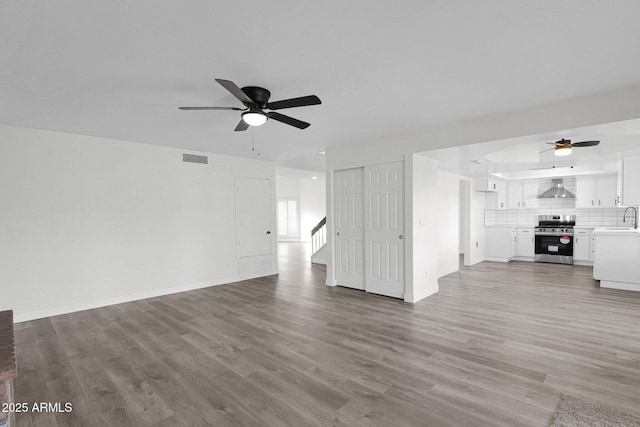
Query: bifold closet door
{"points": [[349, 228], [384, 229]]}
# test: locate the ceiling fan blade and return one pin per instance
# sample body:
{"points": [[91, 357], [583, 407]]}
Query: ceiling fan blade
{"points": [[288, 120], [303, 101], [235, 91], [242, 125], [585, 144], [212, 108]]}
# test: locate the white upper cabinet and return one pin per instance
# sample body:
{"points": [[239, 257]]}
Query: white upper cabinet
{"points": [[586, 192], [631, 181], [515, 194], [486, 184], [523, 194], [502, 194], [496, 192], [530, 194], [597, 192], [607, 191]]}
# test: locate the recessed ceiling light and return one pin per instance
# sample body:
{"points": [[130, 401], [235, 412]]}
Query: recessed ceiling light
{"points": [[321, 152], [314, 177]]}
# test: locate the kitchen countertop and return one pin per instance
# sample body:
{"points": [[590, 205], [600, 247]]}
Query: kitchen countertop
{"points": [[616, 231]]}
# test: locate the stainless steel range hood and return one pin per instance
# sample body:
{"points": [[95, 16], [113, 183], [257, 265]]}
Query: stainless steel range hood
{"points": [[557, 191]]}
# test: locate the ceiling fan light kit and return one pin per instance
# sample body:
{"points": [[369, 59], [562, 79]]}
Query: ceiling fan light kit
{"points": [[562, 151], [565, 146], [256, 99], [254, 118]]}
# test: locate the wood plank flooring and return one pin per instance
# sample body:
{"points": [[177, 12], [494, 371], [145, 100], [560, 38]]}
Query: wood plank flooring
{"points": [[498, 346]]}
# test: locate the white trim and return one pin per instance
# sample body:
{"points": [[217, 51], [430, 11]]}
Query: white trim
{"points": [[448, 270], [494, 259], [625, 286], [55, 311], [330, 282], [477, 261], [523, 258], [424, 294]]}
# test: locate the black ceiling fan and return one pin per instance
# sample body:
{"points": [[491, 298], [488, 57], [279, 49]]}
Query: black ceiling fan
{"points": [[255, 100], [564, 146]]}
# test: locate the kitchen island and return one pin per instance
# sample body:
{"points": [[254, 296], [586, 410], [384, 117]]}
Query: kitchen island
{"points": [[617, 258]]}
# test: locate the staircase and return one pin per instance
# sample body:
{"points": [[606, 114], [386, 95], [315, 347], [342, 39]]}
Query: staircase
{"points": [[319, 242]]}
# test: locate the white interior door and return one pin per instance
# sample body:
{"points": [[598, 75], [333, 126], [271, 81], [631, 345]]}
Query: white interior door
{"points": [[349, 229], [384, 229], [253, 204]]}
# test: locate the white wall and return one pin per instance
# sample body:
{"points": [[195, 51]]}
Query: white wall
{"points": [[86, 221], [619, 105], [287, 187], [422, 207], [311, 197], [313, 205], [475, 252], [448, 223], [601, 108]]}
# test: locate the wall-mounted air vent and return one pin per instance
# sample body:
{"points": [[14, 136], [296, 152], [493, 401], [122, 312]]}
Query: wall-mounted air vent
{"points": [[193, 158]]}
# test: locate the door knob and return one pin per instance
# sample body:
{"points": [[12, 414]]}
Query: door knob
{"points": [[338, 233], [400, 237], [268, 232]]}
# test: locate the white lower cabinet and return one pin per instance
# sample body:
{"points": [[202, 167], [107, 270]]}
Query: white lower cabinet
{"points": [[582, 250], [499, 242], [526, 243]]}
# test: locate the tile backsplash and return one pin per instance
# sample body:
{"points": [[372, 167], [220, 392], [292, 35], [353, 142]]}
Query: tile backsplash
{"points": [[585, 217]]}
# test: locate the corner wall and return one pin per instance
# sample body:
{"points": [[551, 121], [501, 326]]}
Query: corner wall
{"points": [[86, 222], [422, 212], [448, 223]]}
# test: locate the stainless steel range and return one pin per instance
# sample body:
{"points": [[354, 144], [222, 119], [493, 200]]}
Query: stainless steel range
{"points": [[554, 239]]}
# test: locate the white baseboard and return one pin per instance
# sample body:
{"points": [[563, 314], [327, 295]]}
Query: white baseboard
{"points": [[422, 295], [319, 261], [523, 258], [88, 305], [495, 259], [478, 260], [625, 286], [448, 270], [331, 282]]}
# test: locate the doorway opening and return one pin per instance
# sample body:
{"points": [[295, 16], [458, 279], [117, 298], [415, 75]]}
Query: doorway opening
{"points": [[288, 220], [301, 212]]}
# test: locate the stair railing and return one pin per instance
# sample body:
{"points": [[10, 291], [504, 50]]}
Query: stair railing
{"points": [[319, 235]]}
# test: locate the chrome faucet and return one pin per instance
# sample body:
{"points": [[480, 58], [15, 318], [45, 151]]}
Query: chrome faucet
{"points": [[635, 216]]}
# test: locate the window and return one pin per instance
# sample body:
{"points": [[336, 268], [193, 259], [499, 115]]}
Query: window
{"points": [[288, 224]]}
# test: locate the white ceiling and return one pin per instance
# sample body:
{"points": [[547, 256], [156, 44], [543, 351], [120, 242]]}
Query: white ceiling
{"points": [[530, 153], [120, 69]]}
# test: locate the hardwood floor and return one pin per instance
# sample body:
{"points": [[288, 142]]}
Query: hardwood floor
{"points": [[499, 345]]}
